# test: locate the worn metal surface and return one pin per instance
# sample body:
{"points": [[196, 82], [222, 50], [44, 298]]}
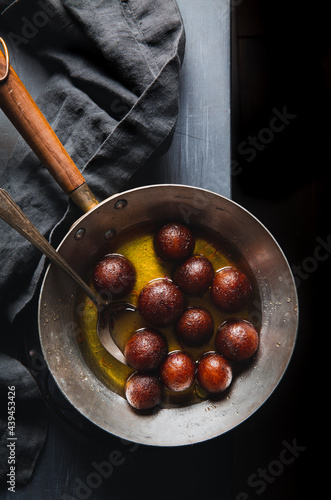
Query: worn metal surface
{"points": [[260, 257]]}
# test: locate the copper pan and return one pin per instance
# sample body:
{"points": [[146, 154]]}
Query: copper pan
{"points": [[88, 239]]}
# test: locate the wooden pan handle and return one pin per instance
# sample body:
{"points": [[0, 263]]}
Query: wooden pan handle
{"points": [[23, 112]]}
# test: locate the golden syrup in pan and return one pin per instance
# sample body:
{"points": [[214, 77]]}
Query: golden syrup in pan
{"points": [[137, 245]]}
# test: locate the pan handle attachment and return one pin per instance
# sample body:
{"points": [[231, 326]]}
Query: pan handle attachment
{"points": [[13, 215], [23, 112]]}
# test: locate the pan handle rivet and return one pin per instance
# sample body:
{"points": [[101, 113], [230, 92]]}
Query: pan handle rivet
{"points": [[80, 234], [120, 204], [110, 234]]}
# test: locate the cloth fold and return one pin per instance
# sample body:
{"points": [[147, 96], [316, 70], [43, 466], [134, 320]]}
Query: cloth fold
{"points": [[112, 99], [23, 422]]}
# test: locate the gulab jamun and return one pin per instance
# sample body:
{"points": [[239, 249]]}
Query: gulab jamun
{"points": [[195, 275], [161, 302], [143, 391], [178, 371], [231, 289], [114, 274], [195, 326], [146, 349], [214, 373], [237, 339], [174, 242]]}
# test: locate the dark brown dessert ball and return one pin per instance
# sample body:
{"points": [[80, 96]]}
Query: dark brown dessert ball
{"points": [[174, 242], [237, 340], [195, 275], [146, 349], [214, 373], [143, 391], [195, 326], [115, 274], [178, 371], [231, 289], [161, 302]]}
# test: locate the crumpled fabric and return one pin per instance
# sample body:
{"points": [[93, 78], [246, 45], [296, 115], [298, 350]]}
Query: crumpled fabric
{"points": [[112, 99], [23, 422]]}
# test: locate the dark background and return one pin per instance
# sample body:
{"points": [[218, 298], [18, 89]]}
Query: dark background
{"points": [[282, 59]]}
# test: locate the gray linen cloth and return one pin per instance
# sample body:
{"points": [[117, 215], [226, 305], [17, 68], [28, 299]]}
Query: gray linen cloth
{"points": [[112, 99]]}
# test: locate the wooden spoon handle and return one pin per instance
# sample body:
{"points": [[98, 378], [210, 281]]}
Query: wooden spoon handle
{"points": [[23, 112]]}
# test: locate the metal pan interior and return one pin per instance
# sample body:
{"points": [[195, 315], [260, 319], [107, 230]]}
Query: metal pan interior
{"points": [[182, 425]]}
